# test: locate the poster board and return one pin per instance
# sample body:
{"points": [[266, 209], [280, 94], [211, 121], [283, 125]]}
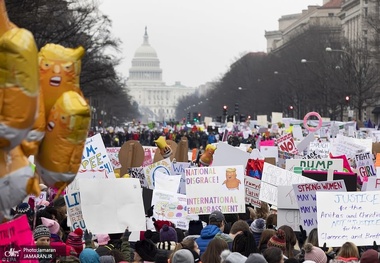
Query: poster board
{"points": [[163, 166], [252, 191], [350, 179], [298, 165], [226, 154]]}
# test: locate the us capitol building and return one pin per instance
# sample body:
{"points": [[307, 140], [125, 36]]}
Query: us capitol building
{"points": [[157, 101]]}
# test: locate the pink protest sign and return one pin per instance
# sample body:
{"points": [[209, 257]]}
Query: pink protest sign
{"points": [[16, 241], [267, 143]]}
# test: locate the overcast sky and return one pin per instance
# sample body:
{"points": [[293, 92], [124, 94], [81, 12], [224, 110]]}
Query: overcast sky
{"points": [[196, 40]]}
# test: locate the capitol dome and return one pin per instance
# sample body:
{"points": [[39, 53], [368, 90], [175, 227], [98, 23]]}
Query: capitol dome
{"points": [[145, 65]]}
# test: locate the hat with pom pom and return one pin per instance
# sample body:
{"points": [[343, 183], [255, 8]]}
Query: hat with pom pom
{"points": [[314, 253], [167, 233], [74, 239], [278, 240], [51, 224], [258, 225]]}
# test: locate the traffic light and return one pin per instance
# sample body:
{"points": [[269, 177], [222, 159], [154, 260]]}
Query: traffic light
{"points": [[224, 110], [236, 109], [347, 100], [242, 118], [195, 116]]}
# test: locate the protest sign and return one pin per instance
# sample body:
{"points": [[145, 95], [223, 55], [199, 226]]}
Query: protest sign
{"points": [[350, 216], [85, 174], [372, 184], [74, 210], [215, 188], [163, 166], [170, 206], [113, 154], [95, 156], [289, 217], [262, 120], [297, 132], [149, 152], [350, 179], [306, 199], [228, 155], [16, 239], [252, 191], [298, 165], [365, 165], [276, 117], [138, 172], [269, 152], [286, 144], [282, 157], [287, 208], [304, 144], [274, 176], [167, 182], [120, 201], [343, 145], [179, 169], [286, 197], [321, 148]]}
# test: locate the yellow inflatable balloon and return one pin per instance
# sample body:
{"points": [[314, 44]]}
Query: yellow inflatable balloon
{"points": [[18, 82]]}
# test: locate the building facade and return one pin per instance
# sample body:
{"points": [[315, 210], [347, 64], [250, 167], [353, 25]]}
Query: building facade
{"points": [[157, 101]]}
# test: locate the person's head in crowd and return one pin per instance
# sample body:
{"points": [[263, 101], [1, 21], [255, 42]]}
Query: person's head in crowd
{"points": [[252, 213], [218, 219], [68, 259], [294, 260], [53, 212], [348, 250], [245, 216], [60, 206], [180, 234], [264, 238], [195, 227], [314, 253], [25, 209], [278, 240], [117, 255], [370, 256], [244, 243], [107, 259], [158, 224], [312, 238], [187, 243], [256, 258], [238, 227], [145, 250], [88, 255], [271, 222], [229, 220], [102, 239], [232, 257], [291, 241], [53, 225], [168, 233], [152, 236], [262, 211], [273, 255], [257, 226], [185, 256], [213, 250], [74, 239], [162, 256], [41, 235]]}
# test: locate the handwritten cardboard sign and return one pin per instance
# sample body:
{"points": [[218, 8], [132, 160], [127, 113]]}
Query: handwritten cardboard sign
{"points": [[306, 199], [349, 216], [286, 144], [289, 217], [274, 176], [113, 154], [74, 210], [95, 156], [162, 166], [298, 165], [365, 166], [346, 146], [215, 188], [252, 191], [321, 148], [372, 184]]}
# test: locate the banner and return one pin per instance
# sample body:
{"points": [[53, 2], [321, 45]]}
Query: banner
{"points": [[95, 156], [306, 199], [215, 188], [110, 206], [350, 216], [170, 206]]}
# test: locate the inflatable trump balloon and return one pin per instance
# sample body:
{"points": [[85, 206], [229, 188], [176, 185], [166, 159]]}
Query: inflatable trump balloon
{"points": [[67, 115], [19, 91]]}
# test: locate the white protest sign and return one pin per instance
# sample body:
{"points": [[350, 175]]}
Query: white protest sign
{"points": [[306, 199], [302, 145], [179, 169], [274, 176], [346, 146], [350, 216], [170, 206], [163, 166], [95, 156], [322, 148], [286, 144], [138, 172], [276, 117], [215, 188], [289, 217], [113, 154], [85, 174], [74, 210], [269, 151], [286, 198], [297, 132], [298, 165], [252, 191], [39, 199], [372, 184], [365, 165], [262, 120], [110, 206], [167, 182], [226, 154]]}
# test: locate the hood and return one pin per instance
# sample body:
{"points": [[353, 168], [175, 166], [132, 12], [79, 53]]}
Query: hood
{"points": [[210, 231]]}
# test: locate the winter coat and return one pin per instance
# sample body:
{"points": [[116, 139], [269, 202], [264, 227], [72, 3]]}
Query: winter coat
{"points": [[207, 234], [344, 260]]}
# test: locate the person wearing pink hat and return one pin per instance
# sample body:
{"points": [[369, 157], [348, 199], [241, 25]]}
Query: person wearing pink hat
{"points": [[55, 240], [104, 248]]}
